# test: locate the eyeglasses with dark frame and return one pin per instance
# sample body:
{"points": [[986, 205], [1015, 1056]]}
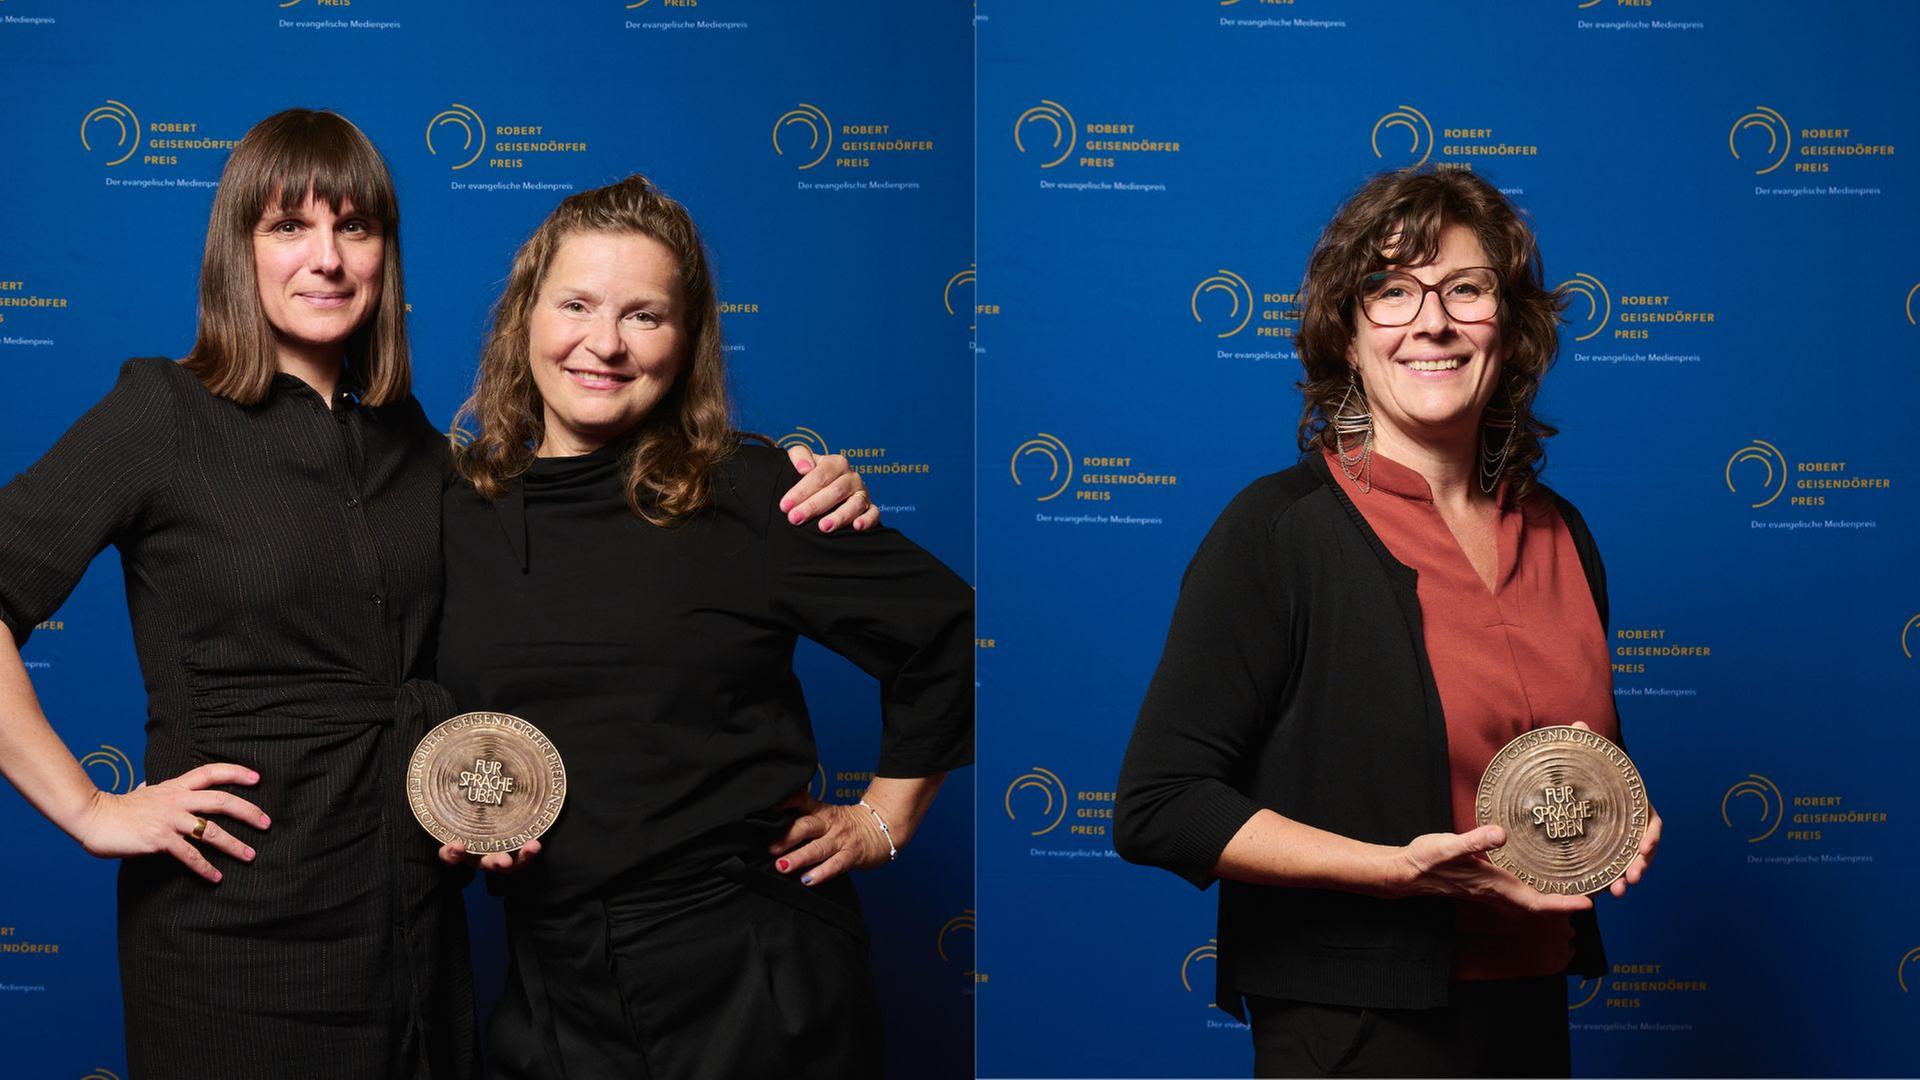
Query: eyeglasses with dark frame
{"points": [[1391, 298]]}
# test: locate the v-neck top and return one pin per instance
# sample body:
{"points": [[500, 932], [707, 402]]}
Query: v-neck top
{"points": [[1528, 653]]}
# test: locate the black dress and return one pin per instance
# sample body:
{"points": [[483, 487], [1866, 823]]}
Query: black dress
{"points": [[650, 938], [283, 576]]}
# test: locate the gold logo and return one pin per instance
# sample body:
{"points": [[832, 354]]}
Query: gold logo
{"points": [[1209, 951], [819, 131], [104, 1073], [473, 132], [1779, 136], [637, 4], [1773, 808], [1904, 647], [1585, 990], [119, 768], [1768, 456], [1910, 295], [1059, 462], [1900, 972], [964, 277], [1421, 131], [1237, 290], [806, 437], [1066, 134], [1585, 4], [961, 922], [1599, 304], [125, 123], [817, 787], [1054, 810], [461, 437]]}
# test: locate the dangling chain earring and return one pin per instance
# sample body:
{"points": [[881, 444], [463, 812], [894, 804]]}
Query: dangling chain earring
{"points": [[1356, 462], [1494, 462]]}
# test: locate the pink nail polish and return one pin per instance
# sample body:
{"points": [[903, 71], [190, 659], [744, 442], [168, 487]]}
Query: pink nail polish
{"points": [[826, 526], [797, 517]]}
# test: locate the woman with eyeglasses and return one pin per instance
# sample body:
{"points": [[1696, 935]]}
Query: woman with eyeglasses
{"points": [[1356, 638]]}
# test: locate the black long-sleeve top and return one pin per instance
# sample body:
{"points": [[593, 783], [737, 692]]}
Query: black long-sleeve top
{"points": [[1295, 678], [659, 660]]}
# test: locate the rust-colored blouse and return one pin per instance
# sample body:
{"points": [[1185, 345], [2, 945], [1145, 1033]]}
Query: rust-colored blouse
{"points": [[1529, 653]]}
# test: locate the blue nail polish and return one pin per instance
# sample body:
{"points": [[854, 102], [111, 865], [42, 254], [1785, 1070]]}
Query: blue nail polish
{"points": [[806, 879]]}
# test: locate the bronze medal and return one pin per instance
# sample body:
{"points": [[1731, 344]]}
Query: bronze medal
{"points": [[1572, 804], [489, 780]]}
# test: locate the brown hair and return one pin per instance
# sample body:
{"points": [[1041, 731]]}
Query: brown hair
{"points": [[289, 156], [683, 439], [1396, 219]]}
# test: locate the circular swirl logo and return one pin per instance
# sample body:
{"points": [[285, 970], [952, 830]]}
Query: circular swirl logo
{"points": [[1066, 134], [1774, 482], [1059, 461], [1911, 293], [473, 133], [1053, 793], [1209, 951], [819, 132], [804, 436], [1239, 295], [964, 277], [126, 128], [1599, 304], [1779, 137], [961, 923], [1773, 808], [1419, 130], [1582, 993], [1904, 631], [1900, 972], [118, 768]]}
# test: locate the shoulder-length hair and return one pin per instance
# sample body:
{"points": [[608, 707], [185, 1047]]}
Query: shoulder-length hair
{"points": [[682, 440], [286, 158], [1396, 219]]}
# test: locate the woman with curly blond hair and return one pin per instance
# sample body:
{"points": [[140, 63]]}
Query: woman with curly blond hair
{"points": [[619, 574], [1357, 637]]}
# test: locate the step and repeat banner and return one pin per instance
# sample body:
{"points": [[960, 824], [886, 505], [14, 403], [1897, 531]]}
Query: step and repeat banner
{"points": [[826, 151], [1728, 194]]}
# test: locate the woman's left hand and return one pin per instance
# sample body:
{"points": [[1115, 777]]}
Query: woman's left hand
{"points": [[830, 490], [829, 839], [498, 862], [1649, 840]]}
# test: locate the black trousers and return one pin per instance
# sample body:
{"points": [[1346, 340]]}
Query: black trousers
{"points": [[740, 974], [1512, 1027]]}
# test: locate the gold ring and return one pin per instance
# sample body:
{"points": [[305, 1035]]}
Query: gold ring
{"points": [[199, 828]]}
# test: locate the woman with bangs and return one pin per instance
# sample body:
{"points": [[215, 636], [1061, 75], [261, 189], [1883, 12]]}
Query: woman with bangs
{"points": [[275, 500], [1356, 638]]}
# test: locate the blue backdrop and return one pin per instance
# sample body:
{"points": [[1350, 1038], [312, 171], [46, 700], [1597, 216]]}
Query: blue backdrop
{"points": [[827, 153], [1729, 190]]}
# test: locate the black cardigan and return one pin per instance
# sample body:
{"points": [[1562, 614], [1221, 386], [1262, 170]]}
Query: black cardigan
{"points": [[1295, 677]]}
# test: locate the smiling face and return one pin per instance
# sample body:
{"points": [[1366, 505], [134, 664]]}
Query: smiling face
{"points": [[606, 339], [319, 275], [1430, 380]]}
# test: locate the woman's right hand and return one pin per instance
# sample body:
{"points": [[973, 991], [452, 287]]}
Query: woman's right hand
{"points": [[1454, 864], [163, 817]]}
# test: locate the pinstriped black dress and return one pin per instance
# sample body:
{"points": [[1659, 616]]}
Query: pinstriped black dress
{"points": [[283, 575]]}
